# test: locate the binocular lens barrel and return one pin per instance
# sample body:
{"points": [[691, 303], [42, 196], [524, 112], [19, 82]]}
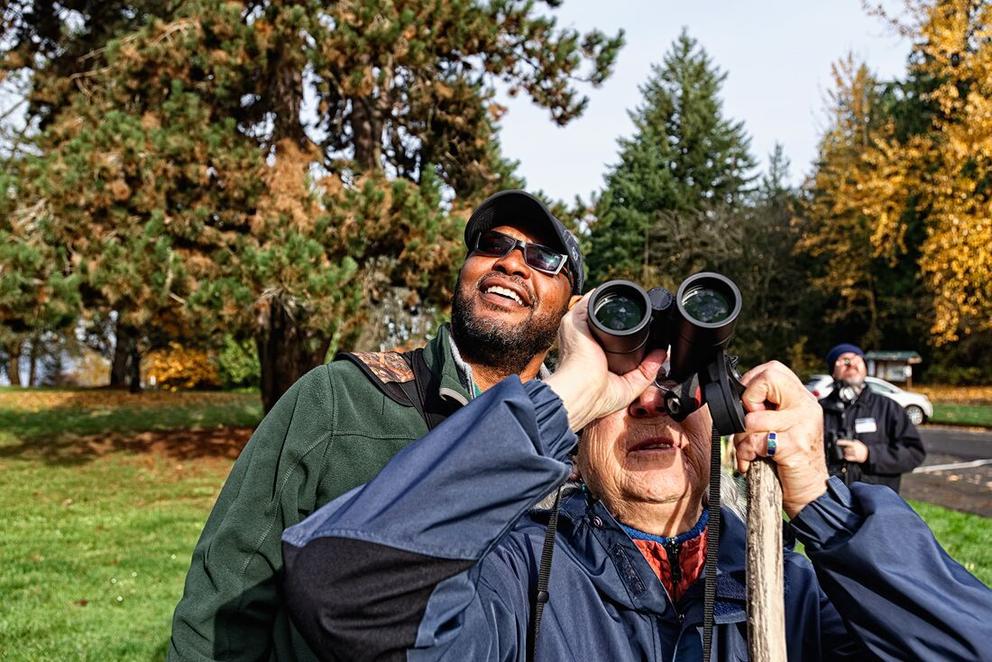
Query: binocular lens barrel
{"points": [[620, 320], [708, 306], [697, 322]]}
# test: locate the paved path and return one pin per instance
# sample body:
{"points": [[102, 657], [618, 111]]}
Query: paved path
{"points": [[958, 478]]}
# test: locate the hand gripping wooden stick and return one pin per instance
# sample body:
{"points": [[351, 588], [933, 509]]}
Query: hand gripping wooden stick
{"points": [[765, 601]]}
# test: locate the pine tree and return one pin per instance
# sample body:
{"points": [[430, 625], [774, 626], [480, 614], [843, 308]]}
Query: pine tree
{"points": [[38, 291], [195, 194], [684, 161], [772, 278]]}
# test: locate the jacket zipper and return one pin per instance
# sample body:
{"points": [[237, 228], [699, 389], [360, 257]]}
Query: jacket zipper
{"points": [[672, 550]]}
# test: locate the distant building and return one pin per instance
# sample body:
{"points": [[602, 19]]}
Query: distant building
{"points": [[893, 366]]}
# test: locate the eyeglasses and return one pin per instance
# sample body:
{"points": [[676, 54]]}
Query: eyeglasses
{"points": [[849, 362], [542, 258]]}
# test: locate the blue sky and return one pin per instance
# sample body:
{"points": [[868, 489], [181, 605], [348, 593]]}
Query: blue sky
{"points": [[776, 54]]}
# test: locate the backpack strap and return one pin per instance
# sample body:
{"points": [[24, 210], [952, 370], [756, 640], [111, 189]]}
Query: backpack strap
{"points": [[406, 379]]}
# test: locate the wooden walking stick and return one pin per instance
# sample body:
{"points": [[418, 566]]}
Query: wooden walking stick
{"points": [[765, 601]]}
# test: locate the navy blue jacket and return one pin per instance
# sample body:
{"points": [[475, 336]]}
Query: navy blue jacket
{"points": [[437, 557]]}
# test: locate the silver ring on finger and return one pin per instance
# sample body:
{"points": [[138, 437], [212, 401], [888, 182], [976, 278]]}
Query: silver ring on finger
{"points": [[772, 443]]}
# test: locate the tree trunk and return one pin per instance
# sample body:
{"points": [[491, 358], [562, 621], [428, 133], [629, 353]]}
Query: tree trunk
{"points": [[286, 351], [366, 130], [122, 356], [134, 386], [125, 369], [33, 361], [14, 362], [287, 91]]}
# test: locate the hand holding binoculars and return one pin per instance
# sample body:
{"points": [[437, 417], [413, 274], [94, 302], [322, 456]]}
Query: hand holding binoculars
{"points": [[697, 324]]}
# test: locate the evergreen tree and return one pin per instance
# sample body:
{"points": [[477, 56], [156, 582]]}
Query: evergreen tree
{"points": [[38, 291], [772, 278], [685, 165], [194, 193]]}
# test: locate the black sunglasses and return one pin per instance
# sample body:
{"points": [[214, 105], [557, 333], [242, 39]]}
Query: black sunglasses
{"points": [[542, 258]]}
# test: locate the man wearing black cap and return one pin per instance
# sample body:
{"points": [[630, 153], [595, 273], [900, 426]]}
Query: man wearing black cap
{"points": [[868, 437], [342, 422]]}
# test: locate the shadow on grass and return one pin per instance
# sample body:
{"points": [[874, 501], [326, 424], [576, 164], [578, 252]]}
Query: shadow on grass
{"points": [[161, 652], [74, 427], [181, 444]]}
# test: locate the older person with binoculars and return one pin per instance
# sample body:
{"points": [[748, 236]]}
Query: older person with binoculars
{"points": [[440, 555]]}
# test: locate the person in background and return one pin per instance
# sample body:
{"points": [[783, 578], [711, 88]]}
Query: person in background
{"points": [[869, 437]]}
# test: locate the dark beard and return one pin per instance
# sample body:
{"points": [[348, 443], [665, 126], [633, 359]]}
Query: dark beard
{"points": [[504, 347]]}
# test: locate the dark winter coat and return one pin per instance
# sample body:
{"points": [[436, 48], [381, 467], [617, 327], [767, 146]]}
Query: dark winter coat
{"points": [[894, 444]]}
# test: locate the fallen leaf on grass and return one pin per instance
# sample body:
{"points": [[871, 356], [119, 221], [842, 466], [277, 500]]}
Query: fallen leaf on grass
{"points": [[105, 399]]}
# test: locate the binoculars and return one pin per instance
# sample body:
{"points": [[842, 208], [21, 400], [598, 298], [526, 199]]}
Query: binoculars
{"points": [[834, 453], [697, 324]]}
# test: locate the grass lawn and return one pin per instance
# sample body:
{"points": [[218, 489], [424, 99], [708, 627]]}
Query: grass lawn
{"points": [[960, 405], [104, 499], [962, 414], [98, 530], [966, 537]]}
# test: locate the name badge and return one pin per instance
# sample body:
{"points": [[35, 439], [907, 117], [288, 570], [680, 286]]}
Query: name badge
{"points": [[863, 425]]}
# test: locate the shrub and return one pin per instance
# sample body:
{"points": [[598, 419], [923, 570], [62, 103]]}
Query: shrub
{"points": [[237, 363], [179, 367]]}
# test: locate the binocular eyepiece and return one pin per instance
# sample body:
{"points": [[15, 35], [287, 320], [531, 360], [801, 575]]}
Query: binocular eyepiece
{"points": [[697, 323]]}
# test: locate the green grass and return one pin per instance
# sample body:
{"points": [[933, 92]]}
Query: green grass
{"points": [[92, 557], [95, 544], [966, 537], [962, 414], [120, 412]]}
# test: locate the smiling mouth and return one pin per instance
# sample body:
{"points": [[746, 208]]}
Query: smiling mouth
{"points": [[503, 292]]}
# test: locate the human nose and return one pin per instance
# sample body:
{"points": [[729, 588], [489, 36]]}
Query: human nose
{"points": [[650, 403], [514, 263]]}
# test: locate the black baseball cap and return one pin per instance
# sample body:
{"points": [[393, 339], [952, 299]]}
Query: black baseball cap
{"points": [[513, 207]]}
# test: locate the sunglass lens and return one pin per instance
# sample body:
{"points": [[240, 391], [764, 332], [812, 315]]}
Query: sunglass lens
{"points": [[497, 244], [494, 243], [543, 259]]}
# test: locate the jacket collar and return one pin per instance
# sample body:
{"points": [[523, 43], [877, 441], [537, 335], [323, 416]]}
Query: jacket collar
{"points": [[620, 571], [453, 383]]}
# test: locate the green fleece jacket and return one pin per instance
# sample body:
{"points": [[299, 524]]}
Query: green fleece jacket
{"points": [[332, 431]]}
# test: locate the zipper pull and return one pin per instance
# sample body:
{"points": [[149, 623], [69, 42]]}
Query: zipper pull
{"points": [[672, 550]]}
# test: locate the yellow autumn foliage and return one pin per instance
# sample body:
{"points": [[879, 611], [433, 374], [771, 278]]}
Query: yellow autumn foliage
{"points": [[179, 367], [962, 395], [836, 226], [945, 173]]}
